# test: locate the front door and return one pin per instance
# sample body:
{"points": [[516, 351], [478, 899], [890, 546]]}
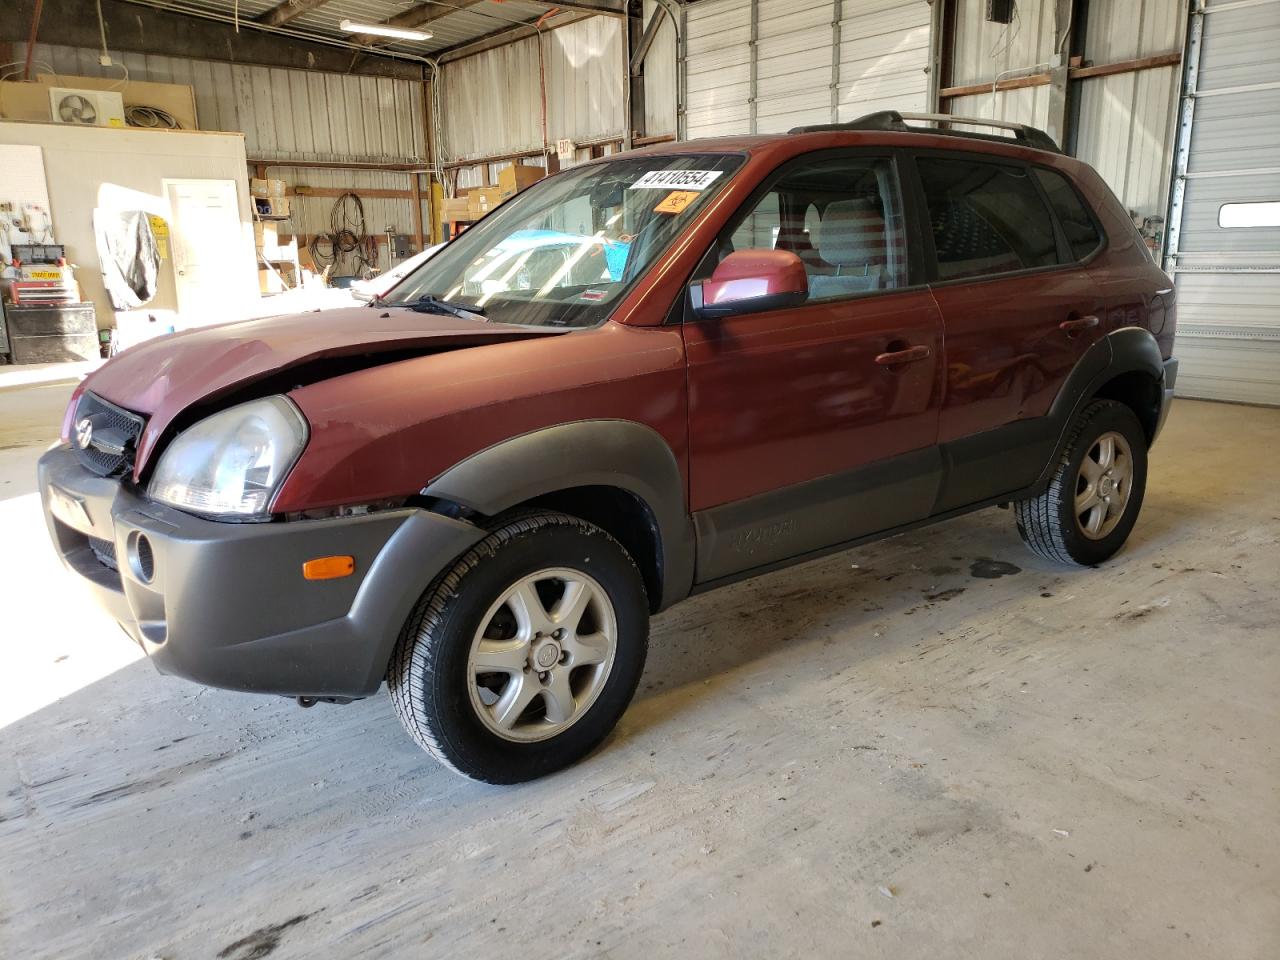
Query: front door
{"points": [[213, 260], [817, 424]]}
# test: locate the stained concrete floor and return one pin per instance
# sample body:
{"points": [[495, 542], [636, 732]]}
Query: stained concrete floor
{"points": [[880, 754]]}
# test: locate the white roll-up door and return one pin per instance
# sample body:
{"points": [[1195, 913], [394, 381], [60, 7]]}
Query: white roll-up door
{"points": [[765, 66], [1224, 236], [718, 68]]}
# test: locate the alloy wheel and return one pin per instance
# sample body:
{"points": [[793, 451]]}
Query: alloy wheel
{"points": [[542, 655], [1103, 485]]}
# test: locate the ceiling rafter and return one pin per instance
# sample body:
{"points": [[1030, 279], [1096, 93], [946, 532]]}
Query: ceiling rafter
{"points": [[418, 16], [424, 13], [288, 10]]}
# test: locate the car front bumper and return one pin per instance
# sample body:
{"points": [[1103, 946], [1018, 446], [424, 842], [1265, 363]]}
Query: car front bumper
{"points": [[226, 604]]}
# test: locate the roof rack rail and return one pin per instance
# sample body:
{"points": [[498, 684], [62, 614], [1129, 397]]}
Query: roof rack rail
{"points": [[895, 122]]}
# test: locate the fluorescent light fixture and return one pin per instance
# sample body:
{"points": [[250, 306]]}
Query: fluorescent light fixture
{"points": [[382, 30]]}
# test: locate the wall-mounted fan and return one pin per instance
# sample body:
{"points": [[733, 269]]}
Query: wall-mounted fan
{"points": [[93, 108], [76, 108]]}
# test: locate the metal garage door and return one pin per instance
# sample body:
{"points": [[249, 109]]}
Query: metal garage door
{"points": [[1224, 236], [764, 66]]}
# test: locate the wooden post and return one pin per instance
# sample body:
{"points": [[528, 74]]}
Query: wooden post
{"points": [[416, 189]]}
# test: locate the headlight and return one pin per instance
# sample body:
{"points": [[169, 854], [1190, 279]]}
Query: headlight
{"points": [[232, 462]]}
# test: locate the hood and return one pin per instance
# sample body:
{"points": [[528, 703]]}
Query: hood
{"points": [[162, 378]]}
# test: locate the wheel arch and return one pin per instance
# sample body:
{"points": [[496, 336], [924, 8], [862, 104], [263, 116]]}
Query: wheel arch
{"points": [[618, 474], [1125, 366]]}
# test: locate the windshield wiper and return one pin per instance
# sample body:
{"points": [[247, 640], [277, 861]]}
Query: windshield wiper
{"points": [[430, 304]]}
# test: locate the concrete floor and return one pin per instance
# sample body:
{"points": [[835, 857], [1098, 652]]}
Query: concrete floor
{"points": [[880, 754]]}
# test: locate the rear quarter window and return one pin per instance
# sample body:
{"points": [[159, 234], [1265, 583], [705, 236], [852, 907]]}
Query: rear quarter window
{"points": [[986, 218], [1081, 230]]}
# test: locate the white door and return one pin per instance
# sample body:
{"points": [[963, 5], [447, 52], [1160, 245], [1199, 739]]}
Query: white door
{"points": [[214, 266], [1224, 232]]}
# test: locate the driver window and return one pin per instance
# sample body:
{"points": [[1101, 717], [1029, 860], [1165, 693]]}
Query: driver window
{"points": [[842, 216], [759, 229]]}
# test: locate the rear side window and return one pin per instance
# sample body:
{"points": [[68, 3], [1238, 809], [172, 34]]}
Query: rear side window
{"points": [[986, 218], [1082, 233]]}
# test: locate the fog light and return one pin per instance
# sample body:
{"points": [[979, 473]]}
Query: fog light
{"points": [[142, 559]]}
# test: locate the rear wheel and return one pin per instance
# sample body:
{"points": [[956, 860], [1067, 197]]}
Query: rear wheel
{"points": [[522, 657], [1095, 495]]}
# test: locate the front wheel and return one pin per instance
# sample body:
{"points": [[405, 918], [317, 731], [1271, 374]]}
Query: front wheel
{"points": [[521, 659], [1093, 500]]}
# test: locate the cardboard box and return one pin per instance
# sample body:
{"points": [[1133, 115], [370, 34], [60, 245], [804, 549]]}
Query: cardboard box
{"points": [[483, 199], [273, 281], [271, 208], [269, 281], [266, 235], [271, 244], [266, 188], [513, 179], [456, 208]]}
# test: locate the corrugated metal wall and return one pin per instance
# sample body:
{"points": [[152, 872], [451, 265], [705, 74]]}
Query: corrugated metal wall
{"points": [[986, 52], [294, 115], [660, 87], [312, 215], [283, 114], [492, 101], [1125, 120], [586, 65], [793, 76]]}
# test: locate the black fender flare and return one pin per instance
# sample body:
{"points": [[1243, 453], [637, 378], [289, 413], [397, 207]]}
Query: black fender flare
{"points": [[609, 453], [1121, 351]]}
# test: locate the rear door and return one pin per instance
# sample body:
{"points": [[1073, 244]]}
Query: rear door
{"points": [[816, 424], [1018, 313]]}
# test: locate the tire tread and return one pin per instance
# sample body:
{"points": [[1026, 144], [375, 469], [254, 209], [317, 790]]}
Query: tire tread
{"points": [[1037, 516]]}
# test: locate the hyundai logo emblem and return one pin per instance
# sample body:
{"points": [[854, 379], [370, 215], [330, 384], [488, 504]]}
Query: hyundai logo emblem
{"points": [[84, 433]]}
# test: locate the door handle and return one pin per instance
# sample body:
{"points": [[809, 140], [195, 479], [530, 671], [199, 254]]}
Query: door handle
{"points": [[909, 355], [1076, 324]]}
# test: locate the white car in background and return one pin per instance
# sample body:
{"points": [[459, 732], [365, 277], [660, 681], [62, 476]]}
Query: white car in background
{"points": [[366, 290]]}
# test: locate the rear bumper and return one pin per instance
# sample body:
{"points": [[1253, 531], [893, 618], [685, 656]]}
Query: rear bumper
{"points": [[1166, 396], [225, 604]]}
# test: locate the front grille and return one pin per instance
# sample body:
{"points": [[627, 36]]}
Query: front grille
{"points": [[104, 436], [105, 551]]}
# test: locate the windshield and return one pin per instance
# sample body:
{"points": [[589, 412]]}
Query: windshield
{"points": [[564, 251]]}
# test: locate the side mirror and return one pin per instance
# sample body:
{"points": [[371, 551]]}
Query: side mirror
{"points": [[749, 281]]}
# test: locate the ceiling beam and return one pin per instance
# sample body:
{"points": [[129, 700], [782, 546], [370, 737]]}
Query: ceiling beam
{"points": [[424, 13], [608, 8], [511, 34], [415, 17], [146, 26], [287, 10]]}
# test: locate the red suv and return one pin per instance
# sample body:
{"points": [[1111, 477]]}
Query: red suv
{"points": [[642, 378]]}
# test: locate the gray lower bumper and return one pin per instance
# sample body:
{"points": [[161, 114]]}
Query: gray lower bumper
{"points": [[225, 604], [1166, 398]]}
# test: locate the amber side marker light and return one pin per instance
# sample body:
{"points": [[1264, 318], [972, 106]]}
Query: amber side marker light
{"points": [[329, 568]]}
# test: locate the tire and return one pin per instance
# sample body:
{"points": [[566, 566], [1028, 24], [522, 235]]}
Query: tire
{"points": [[1050, 523], [486, 611]]}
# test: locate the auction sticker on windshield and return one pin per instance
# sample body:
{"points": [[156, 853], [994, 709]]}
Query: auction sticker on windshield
{"points": [[677, 201], [677, 180]]}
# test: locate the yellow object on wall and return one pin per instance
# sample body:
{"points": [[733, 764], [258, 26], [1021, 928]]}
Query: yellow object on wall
{"points": [[160, 230]]}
